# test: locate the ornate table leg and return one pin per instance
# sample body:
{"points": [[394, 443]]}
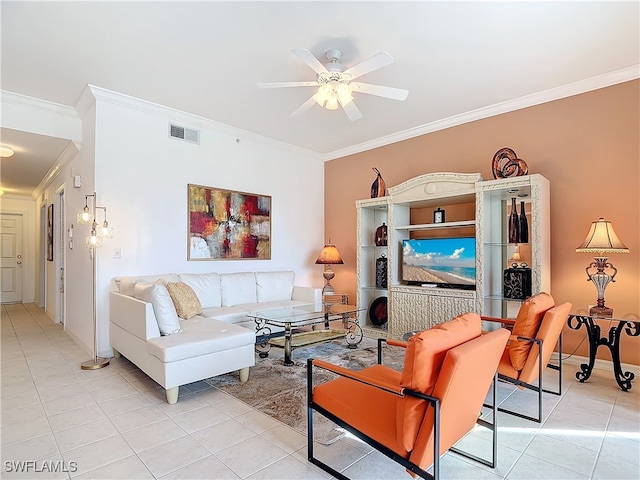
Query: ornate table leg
{"points": [[354, 333], [287, 344], [633, 330], [263, 334], [623, 379], [593, 335]]}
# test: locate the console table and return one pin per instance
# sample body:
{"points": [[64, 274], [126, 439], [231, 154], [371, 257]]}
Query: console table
{"points": [[616, 328]]}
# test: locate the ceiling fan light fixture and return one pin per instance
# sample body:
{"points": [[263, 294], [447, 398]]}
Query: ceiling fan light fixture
{"points": [[332, 103], [332, 94], [343, 91], [324, 94], [334, 82]]}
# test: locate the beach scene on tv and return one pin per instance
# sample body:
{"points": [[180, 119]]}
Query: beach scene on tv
{"points": [[439, 260]]}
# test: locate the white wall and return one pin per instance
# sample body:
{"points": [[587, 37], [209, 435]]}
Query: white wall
{"points": [[141, 176]]}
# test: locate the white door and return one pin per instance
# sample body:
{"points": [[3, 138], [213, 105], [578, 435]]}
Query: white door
{"points": [[11, 260]]}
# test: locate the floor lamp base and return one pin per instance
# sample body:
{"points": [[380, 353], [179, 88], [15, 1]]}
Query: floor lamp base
{"points": [[95, 364]]}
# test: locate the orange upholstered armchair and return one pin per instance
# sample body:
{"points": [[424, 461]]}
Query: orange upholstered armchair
{"points": [[537, 327], [416, 415]]}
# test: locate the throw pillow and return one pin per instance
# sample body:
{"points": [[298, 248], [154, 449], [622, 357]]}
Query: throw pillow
{"points": [[184, 299], [158, 296], [527, 325]]}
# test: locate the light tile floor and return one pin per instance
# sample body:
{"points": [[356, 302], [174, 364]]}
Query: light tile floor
{"points": [[115, 423]]}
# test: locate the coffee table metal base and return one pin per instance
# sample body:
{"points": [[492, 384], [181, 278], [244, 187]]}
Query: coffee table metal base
{"points": [[296, 321], [304, 339]]}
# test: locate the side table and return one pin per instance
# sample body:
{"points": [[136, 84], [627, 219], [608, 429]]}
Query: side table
{"points": [[616, 328]]}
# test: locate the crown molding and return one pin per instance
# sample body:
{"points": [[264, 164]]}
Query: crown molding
{"points": [[12, 98], [191, 120], [63, 160], [594, 83]]}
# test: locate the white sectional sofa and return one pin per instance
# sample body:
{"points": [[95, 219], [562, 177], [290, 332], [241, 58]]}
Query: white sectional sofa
{"points": [[219, 338]]}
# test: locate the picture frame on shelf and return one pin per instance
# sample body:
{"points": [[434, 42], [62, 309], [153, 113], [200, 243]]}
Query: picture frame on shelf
{"points": [[439, 215]]}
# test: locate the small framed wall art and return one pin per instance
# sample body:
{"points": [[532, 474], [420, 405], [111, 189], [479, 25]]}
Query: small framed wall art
{"points": [[227, 225], [50, 233]]}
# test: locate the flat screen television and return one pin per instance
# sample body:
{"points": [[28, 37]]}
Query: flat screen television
{"points": [[443, 262]]}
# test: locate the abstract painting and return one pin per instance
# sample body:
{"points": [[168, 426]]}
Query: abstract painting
{"points": [[228, 225]]}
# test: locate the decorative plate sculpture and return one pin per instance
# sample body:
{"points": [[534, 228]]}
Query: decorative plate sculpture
{"points": [[506, 164], [378, 311]]}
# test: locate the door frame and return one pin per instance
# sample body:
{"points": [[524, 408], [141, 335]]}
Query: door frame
{"points": [[42, 267], [60, 254], [19, 250]]}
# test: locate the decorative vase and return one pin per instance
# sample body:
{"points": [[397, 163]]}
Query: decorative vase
{"points": [[379, 187], [381, 271], [513, 222], [381, 235], [523, 225]]}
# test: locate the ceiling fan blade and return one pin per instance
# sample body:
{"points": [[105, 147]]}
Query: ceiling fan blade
{"points": [[307, 57], [379, 90], [351, 110], [287, 84], [305, 106], [379, 60]]}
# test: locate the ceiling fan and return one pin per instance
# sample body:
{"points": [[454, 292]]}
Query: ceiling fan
{"points": [[335, 82]]}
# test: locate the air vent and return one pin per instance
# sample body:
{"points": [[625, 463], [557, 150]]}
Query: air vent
{"points": [[184, 133]]}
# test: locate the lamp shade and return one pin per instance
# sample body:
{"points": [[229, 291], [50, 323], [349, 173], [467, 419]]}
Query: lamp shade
{"points": [[329, 255], [602, 239]]}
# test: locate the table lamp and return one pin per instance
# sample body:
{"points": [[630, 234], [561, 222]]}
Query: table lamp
{"points": [[329, 256], [602, 241]]}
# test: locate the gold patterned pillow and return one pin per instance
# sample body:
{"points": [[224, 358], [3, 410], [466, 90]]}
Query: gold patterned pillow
{"points": [[185, 299]]}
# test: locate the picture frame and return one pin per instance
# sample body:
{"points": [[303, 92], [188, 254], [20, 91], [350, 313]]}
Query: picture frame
{"points": [[438, 215], [50, 233], [227, 224]]}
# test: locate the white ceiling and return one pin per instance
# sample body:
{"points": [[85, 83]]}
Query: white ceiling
{"points": [[457, 59]]}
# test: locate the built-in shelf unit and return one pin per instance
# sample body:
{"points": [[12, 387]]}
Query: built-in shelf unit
{"points": [[474, 208]]}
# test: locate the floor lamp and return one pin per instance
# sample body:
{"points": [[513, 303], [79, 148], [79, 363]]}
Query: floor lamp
{"points": [[94, 241]]}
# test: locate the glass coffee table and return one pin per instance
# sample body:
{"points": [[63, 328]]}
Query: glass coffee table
{"points": [[305, 325]]}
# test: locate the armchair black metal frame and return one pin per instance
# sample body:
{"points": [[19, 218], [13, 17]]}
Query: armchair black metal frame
{"points": [[536, 388], [433, 402]]}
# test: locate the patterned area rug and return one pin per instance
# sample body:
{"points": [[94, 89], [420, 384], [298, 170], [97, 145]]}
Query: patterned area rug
{"points": [[281, 392]]}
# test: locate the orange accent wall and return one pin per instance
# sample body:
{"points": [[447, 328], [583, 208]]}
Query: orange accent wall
{"points": [[587, 145]]}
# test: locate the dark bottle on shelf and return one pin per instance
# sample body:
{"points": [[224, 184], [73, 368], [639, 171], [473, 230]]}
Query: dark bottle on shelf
{"points": [[523, 225], [513, 222]]}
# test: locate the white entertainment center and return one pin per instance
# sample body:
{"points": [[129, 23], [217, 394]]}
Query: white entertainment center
{"points": [[473, 207]]}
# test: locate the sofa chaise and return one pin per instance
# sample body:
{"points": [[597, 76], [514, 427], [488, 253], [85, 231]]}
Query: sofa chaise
{"points": [[181, 328]]}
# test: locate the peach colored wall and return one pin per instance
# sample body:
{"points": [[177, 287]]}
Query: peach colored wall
{"points": [[587, 145]]}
